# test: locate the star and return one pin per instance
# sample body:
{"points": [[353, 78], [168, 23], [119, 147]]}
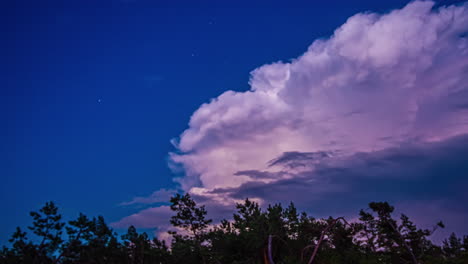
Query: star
{"points": [[99, 100]]}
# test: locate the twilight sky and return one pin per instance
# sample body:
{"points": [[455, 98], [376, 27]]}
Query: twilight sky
{"points": [[110, 107]]}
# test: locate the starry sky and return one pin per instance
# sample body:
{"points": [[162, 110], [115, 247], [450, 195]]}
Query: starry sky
{"points": [[109, 107]]}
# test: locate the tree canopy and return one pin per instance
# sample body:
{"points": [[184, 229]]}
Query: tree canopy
{"points": [[276, 234]]}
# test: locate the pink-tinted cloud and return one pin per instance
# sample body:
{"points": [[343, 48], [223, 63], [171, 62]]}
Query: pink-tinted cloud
{"points": [[154, 217], [380, 82], [158, 196]]}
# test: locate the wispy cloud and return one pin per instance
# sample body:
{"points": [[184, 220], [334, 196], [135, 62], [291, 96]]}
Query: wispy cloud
{"points": [[159, 196], [154, 217]]}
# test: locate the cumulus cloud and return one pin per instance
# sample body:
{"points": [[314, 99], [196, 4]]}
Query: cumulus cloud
{"points": [[433, 171], [378, 81], [377, 104]]}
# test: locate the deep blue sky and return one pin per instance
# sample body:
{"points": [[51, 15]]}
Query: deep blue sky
{"points": [[93, 91]]}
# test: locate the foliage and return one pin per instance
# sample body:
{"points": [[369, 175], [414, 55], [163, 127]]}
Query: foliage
{"points": [[275, 235]]}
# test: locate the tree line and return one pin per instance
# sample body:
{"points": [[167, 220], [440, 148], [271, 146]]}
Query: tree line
{"points": [[273, 235]]}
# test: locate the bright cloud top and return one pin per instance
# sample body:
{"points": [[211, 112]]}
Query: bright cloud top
{"points": [[378, 81], [384, 94]]}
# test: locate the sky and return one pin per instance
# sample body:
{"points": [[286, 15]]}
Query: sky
{"points": [[110, 107]]}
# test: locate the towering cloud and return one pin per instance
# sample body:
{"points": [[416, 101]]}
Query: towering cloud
{"points": [[381, 101]]}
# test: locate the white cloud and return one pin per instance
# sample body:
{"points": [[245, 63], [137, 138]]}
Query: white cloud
{"points": [[378, 82]]}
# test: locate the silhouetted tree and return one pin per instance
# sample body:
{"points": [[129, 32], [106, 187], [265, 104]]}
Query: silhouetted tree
{"points": [[47, 225], [271, 236], [192, 219]]}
